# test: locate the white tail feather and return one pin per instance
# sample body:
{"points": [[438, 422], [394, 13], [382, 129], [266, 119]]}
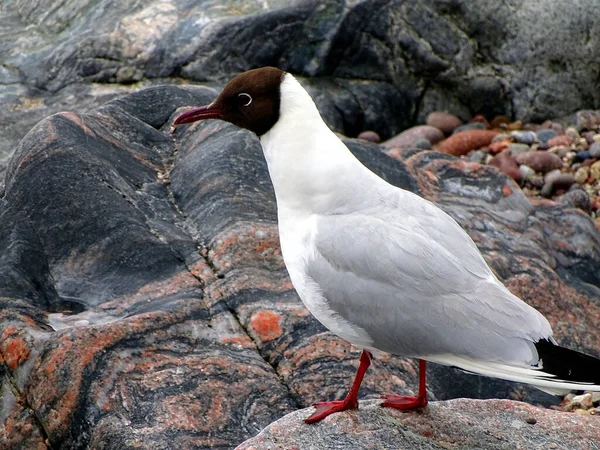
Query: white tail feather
{"points": [[529, 375]]}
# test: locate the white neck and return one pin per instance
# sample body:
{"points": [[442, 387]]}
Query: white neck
{"points": [[306, 160]]}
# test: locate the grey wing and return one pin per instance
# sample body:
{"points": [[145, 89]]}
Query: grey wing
{"points": [[417, 284]]}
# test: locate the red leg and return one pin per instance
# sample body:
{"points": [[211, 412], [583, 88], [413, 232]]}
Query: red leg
{"points": [[323, 409], [406, 403]]}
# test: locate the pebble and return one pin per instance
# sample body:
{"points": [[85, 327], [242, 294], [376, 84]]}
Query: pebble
{"points": [[502, 137], [507, 164], [370, 136], [408, 137], [443, 121], [540, 161], [582, 174], [577, 198], [526, 172], [562, 181], [478, 156], [515, 149], [537, 181], [561, 140], [583, 401], [500, 121], [552, 175], [545, 135], [462, 143], [498, 146], [589, 136], [595, 170], [547, 190], [572, 133], [582, 156], [587, 120], [524, 137], [594, 150], [470, 126], [517, 125], [422, 144]]}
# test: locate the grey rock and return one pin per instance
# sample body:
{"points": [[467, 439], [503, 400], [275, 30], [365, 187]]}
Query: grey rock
{"points": [[395, 61], [423, 143], [545, 135], [594, 150], [470, 126], [516, 148], [524, 137], [526, 172], [465, 424]]}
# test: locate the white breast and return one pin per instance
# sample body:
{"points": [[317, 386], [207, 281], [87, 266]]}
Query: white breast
{"points": [[296, 235]]}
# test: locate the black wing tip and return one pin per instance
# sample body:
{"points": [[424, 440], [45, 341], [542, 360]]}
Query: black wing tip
{"points": [[568, 365]]}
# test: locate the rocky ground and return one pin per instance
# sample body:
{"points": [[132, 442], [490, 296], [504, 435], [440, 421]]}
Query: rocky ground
{"points": [[557, 159]]}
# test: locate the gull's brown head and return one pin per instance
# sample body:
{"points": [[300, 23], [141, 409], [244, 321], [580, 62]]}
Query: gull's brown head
{"points": [[251, 100]]}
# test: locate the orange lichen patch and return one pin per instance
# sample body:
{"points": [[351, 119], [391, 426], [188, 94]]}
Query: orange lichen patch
{"points": [[506, 190], [15, 351], [266, 325], [462, 143], [242, 341], [467, 166]]}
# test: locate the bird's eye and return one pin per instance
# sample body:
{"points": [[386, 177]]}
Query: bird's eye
{"points": [[245, 99]]}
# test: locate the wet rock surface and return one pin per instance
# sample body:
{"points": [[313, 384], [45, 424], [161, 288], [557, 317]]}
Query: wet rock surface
{"points": [[144, 300]]}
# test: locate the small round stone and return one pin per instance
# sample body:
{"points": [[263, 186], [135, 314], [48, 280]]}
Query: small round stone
{"points": [[595, 170], [545, 135], [547, 190], [443, 121], [582, 174], [582, 156], [470, 126], [478, 156], [595, 150], [531, 420], [552, 175], [526, 172], [516, 148], [524, 137], [370, 136], [422, 144]]}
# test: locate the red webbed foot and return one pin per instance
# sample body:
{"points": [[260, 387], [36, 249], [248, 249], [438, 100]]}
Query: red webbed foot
{"points": [[403, 402], [323, 409]]}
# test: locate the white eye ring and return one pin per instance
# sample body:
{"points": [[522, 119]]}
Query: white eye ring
{"points": [[246, 95]]}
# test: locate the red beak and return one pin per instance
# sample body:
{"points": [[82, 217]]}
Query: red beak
{"points": [[204, 112]]}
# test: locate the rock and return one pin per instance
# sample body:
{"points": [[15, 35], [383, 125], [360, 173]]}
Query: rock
{"points": [[144, 301], [545, 135], [547, 189], [561, 140], [595, 170], [498, 146], [408, 137], [470, 126], [462, 143], [500, 122], [423, 144], [443, 121], [582, 156], [387, 61], [582, 174], [587, 120], [515, 149], [540, 161], [462, 423], [576, 198], [552, 175], [506, 163], [370, 136], [526, 172], [478, 156], [524, 137], [594, 150], [572, 133]]}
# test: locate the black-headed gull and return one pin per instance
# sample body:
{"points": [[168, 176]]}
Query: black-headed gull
{"points": [[381, 267]]}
